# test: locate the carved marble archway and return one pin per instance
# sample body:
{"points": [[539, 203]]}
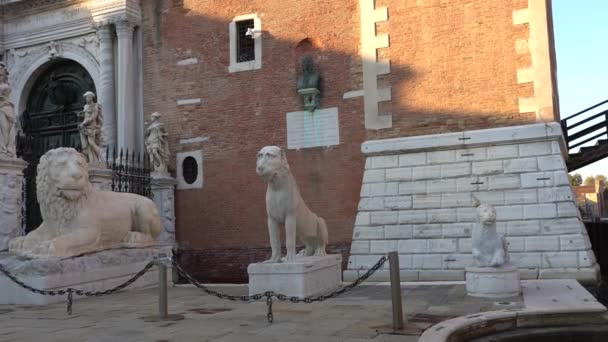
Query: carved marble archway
{"points": [[26, 70]]}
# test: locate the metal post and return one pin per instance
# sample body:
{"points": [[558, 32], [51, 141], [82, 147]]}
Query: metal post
{"points": [[163, 303], [163, 310], [393, 259]]}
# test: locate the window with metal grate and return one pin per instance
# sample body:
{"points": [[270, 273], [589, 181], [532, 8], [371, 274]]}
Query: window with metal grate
{"points": [[245, 44]]}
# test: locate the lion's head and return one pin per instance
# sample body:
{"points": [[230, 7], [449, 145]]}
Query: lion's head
{"points": [[271, 162], [486, 213], [62, 183]]}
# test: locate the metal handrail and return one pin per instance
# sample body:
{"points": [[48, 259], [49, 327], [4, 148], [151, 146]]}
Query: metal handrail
{"points": [[586, 132]]}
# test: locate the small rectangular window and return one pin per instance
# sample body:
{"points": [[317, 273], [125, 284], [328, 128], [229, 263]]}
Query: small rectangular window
{"points": [[245, 44]]}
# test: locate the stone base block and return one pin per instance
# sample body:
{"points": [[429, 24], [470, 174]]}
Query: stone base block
{"points": [[307, 276], [93, 272], [11, 179], [493, 282]]}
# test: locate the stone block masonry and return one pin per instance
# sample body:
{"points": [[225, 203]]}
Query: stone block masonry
{"points": [[417, 198]]}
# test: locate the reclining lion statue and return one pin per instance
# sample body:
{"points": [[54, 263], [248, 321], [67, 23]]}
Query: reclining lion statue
{"points": [[284, 205], [79, 219]]}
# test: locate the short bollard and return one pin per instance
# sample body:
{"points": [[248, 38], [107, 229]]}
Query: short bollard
{"points": [[393, 259], [163, 304]]}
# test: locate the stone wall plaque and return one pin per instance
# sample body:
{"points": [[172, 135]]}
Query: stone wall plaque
{"points": [[313, 129]]}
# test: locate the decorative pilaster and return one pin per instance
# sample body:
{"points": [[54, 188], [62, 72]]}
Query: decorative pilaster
{"points": [[11, 198], [163, 190], [107, 90], [125, 104]]}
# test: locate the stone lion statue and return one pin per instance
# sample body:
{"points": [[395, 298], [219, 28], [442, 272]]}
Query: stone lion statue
{"points": [[285, 206], [79, 219], [489, 248]]}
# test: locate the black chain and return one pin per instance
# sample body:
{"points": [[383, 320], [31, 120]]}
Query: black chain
{"points": [[280, 296], [71, 291], [269, 294]]}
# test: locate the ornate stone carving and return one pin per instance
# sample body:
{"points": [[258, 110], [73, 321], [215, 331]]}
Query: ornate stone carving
{"points": [[284, 205], [10, 207], [78, 219], [3, 73], [157, 145], [54, 49], [89, 43], [90, 128], [489, 248], [23, 63], [308, 85], [8, 118], [163, 189]]}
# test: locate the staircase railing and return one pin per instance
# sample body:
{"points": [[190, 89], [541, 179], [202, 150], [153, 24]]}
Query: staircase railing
{"points": [[588, 134]]}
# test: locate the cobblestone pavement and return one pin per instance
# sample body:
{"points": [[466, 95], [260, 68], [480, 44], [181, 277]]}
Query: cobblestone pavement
{"points": [[354, 317]]}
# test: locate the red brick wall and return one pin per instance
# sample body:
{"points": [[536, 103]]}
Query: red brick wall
{"points": [[453, 67]]}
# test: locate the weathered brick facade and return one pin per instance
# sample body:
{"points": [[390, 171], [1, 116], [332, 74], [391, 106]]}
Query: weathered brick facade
{"points": [[453, 67]]}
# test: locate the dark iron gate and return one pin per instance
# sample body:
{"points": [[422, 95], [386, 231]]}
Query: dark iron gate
{"points": [[50, 120]]}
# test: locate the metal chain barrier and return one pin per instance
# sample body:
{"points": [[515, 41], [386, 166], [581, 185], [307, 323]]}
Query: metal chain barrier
{"points": [[71, 291], [281, 297]]}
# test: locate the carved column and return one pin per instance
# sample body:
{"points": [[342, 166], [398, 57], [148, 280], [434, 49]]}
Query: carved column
{"points": [[163, 190], [125, 104], [107, 91]]}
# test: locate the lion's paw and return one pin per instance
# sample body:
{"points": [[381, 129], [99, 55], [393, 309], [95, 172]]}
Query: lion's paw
{"points": [[44, 248]]}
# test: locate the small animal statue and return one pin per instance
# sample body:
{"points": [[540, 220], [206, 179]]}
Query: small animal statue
{"points": [[285, 206], [489, 248]]}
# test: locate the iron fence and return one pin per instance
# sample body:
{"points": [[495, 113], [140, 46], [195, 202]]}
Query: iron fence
{"points": [[130, 171]]}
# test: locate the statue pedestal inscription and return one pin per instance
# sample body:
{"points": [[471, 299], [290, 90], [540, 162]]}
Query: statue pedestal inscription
{"points": [[11, 180], [493, 282], [93, 272], [307, 276]]}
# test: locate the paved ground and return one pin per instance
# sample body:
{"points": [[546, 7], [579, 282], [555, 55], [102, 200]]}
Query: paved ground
{"points": [[355, 316]]}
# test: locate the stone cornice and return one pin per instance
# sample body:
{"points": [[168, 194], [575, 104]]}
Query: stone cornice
{"points": [[466, 139], [31, 22], [21, 8]]}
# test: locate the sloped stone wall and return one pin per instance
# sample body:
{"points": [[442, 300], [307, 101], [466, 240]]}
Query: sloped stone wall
{"points": [[417, 199]]}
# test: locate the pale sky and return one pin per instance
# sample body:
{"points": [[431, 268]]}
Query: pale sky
{"points": [[581, 32]]}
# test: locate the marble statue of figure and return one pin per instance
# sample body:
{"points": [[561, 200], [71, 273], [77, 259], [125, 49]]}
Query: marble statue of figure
{"points": [[157, 145], [308, 84], [90, 128], [8, 131], [285, 206], [77, 218], [489, 248]]}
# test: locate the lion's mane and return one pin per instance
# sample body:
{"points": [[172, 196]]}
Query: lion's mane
{"points": [[53, 206]]}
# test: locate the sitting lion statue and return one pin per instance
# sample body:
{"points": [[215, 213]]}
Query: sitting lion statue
{"points": [[79, 219], [489, 248], [284, 205]]}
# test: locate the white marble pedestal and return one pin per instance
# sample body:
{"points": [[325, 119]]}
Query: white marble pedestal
{"points": [[163, 190], [93, 272], [11, 182], [307, 276], [493, 282]]}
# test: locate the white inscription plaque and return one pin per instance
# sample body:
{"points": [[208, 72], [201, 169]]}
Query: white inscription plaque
{"points": [[313, 129]]}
